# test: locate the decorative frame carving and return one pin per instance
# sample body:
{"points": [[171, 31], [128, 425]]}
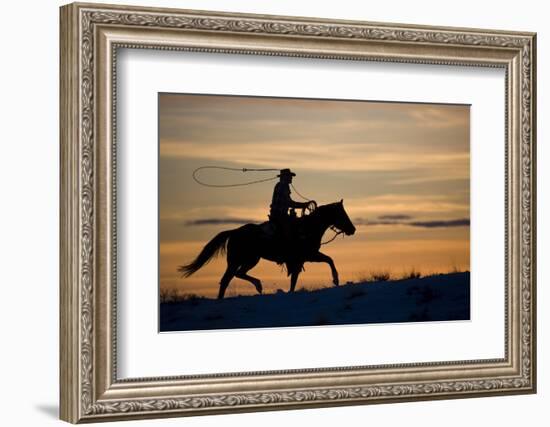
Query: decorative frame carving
{"points": [[90, 36]]}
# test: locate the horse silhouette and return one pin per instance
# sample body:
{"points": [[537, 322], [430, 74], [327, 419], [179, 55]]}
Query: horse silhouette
{"points": [[245, 246]]}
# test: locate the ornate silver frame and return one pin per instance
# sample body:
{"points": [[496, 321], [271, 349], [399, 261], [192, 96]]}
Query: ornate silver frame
{"points": [[90, 36]]}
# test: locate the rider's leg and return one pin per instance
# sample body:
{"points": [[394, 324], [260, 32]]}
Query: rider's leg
{"points": [[294, 273]]}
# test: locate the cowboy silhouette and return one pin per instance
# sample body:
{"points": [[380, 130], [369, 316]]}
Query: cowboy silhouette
{"points": [[281, 213], [274, 240]]}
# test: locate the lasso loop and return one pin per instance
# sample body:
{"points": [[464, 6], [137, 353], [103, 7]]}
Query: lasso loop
{"points": [[241, 184]]}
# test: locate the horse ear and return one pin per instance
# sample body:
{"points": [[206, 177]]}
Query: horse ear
{"points": [[341, 201]]}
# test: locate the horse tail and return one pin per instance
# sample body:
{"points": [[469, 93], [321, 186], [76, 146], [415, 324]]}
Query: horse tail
{"points": [[212, 249]]}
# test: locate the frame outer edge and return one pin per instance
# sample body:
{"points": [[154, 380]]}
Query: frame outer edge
{"points": [[304, 19], [527, 197], [69, 355], [533, 113], [77, 339]]}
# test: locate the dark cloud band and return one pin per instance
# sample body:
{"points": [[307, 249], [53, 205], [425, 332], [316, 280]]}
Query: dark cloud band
{"points": [[220, 221], [461, 222], [397, 217]]}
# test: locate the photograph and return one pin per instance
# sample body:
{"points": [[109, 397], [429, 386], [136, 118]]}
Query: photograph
{"points": [[294, 212]]}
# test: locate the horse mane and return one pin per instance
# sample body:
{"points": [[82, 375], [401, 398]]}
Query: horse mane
{"points": [[320, 210]]}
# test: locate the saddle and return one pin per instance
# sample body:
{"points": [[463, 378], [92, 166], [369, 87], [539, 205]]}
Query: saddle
{"points": [[271, 230]]}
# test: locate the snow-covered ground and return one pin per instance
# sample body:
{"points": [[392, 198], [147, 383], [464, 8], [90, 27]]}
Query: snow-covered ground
{"points": [[433, 298]]}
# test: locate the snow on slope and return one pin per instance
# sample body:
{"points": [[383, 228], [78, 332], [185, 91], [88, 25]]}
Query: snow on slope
{"points": [[433, 298]]}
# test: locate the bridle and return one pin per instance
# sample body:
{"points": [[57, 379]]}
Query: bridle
{"points": [[336, 233], [335, 229]]}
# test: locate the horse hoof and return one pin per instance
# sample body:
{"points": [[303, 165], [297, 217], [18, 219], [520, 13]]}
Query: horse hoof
{"points": [[336, 281]]}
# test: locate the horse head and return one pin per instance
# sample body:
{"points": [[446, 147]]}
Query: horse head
{"points": [[339, 217]]}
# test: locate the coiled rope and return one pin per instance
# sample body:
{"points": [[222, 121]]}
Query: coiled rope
{"points": [[332, 227]]}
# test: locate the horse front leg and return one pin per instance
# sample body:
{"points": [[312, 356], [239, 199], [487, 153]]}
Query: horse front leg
{"points": [[321, 257]]}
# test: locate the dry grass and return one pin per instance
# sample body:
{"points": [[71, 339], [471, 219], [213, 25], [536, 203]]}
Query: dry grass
{"points": [[312, 287], [384, 275], [173, 295], [378, 276], [374, 276], [457, 269], [169, 295], [413, 273]]}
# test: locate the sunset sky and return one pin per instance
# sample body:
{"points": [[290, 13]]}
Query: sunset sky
{"points": [[403, 170]]}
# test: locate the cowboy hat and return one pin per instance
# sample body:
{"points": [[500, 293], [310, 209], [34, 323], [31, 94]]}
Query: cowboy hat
{"points": [[286, 172]]}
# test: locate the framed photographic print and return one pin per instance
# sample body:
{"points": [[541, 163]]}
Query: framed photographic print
{"points": [[265, 212]]}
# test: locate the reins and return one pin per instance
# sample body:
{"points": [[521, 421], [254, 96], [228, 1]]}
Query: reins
{"points": [[336, 233]]}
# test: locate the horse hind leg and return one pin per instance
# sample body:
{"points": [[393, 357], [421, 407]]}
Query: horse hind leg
{"points": [[233, 264], [242, 274], [226, 278], [254, 280]]}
